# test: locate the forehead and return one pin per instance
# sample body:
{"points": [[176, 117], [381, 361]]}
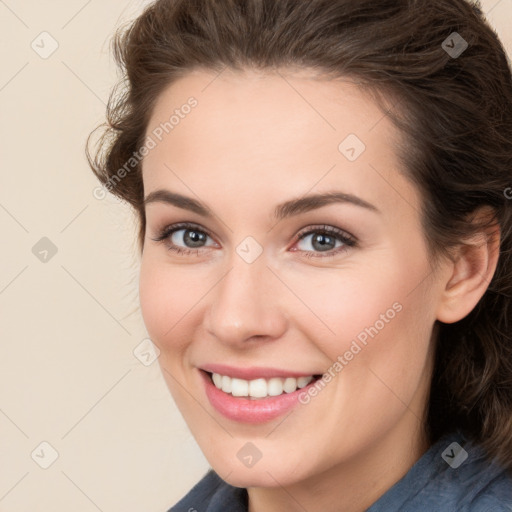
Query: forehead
{"points": [[237, 106], [281, 132]]}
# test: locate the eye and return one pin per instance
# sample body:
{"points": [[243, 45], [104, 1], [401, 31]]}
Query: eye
{"points": [[185, 233], [317, 241], [324, 239]]}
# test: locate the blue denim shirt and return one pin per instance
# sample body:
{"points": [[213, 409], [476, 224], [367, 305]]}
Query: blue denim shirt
{"points": [[452, 475]]}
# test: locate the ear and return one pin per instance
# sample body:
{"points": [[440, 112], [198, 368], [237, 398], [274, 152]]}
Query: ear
{"points": [[470, 271]]}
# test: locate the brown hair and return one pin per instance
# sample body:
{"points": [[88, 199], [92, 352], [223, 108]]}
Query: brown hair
{"points": [[455, 120]]}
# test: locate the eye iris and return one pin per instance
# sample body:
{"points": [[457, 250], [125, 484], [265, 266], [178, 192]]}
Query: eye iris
{"points": [[325, 242], [194, 237], [321, 241]]}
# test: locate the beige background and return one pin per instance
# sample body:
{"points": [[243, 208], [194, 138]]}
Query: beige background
{"points": [[70, 325]]}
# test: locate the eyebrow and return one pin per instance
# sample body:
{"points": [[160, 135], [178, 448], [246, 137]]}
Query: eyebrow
{"points": [[287, 209]]}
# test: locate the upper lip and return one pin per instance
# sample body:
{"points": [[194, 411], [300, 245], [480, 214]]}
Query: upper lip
{"points": [[253, 372]]}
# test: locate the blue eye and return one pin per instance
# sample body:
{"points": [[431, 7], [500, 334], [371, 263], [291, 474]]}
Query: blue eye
{"points": [[191, 235], [326, 240]]}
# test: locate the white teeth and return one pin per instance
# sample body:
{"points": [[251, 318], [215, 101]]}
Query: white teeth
{"points": [[275, 387], [217, 380], [225, 384], [239, 387], [303, 382], [290, 385], [259, 388]]}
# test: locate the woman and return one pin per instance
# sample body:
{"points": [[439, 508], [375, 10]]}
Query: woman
{"points": [[326, 246]]}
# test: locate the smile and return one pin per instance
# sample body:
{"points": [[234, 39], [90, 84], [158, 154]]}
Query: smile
{"points": [[255, 399], [259, 388]]}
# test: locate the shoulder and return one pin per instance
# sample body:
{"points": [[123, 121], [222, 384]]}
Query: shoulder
{"points": [[212, 494], [482, 485], [454, 474], [496, 496]]}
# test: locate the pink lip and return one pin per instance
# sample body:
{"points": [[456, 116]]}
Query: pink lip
{"points": [[250, 411], [254, 372]]}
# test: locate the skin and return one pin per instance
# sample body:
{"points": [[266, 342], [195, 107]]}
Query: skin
{"points": [[254, 140]]}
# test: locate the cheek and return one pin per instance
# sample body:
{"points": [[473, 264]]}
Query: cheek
{"points": [[164, 299], [152, 299], [377, 319], [390, 334], [349, 304]]}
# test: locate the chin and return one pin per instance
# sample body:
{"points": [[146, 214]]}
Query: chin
{"points": [[270, 473], [256, 478]]}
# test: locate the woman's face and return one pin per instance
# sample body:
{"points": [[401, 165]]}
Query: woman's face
{"points": [[354, 298]]}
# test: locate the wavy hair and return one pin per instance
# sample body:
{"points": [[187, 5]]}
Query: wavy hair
{"points": [[454, 115]]}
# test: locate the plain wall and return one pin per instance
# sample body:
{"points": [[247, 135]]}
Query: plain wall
{"points": [[69, 320]]}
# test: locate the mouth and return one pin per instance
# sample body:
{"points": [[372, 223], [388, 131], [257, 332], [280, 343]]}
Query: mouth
{"points": [[260, 388], [258, 400]]}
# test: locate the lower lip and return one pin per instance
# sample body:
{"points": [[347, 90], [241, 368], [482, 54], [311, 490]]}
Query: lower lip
{"points": [[250, 411]]}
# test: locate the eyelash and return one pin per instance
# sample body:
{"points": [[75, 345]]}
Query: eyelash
{"points": [[347, 240]]}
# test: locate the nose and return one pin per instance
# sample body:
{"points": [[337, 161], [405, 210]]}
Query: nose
{"points": [[245, 304]]}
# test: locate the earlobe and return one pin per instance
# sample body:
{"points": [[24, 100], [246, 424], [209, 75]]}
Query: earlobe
{"points": [[469, 275]]}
